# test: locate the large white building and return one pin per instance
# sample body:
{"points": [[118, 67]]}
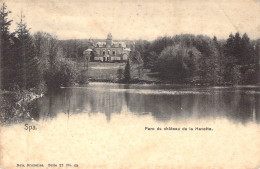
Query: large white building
{"points": [[110, 51]]}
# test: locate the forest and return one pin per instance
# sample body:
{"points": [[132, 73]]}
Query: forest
{"points": [[203, 60]]}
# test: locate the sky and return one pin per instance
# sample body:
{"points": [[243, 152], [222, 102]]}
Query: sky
{"points": [[138, 19]]}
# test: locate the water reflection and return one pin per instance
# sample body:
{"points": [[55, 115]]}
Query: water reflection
{"points": [[163, 102]]}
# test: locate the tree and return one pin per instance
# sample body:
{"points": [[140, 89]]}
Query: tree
{"points": [[248, 62], [93, 54], [152, 61], [143, 47], [127, 74], [47, 50], [178, 63], [229, 46], [247, 51], [25, 51], [232, 73], [237, 48], [120, 73], [219, 59], [7, 66], [136, 63], [208, 64], [40, 40], [53, 48]]}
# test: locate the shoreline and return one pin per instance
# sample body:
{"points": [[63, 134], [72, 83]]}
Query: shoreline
{"points": [[17, 105], [168, 83]]}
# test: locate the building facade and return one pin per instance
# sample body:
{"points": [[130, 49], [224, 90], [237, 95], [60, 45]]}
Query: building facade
{"points": [[110, 51]]}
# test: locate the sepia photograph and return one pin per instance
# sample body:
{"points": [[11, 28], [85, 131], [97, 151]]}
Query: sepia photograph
{"points": [[130, 84]]}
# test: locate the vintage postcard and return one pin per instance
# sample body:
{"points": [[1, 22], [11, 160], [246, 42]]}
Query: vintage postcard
{"points": [[130, 84]]}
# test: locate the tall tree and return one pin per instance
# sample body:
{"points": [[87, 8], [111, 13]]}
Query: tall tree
{"points": [[127, 74], [47, 50], [219, 61], [27, 56], [248, 62], [237, 48], [6, 53], [232, 73], [229, 46], [208, 65], [247, 50]]}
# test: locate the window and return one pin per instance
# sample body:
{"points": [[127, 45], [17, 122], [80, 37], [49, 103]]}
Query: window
{"points": [[104, 52], [108, 52], [114, 52]]}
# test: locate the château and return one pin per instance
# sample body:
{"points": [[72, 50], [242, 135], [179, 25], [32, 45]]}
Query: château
{"points": [[110, 51]]}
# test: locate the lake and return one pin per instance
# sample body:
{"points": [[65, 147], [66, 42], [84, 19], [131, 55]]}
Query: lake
{"points": [[160, 101], [104, 125]]}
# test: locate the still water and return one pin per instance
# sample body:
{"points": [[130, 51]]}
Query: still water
{"points": [[102, 125], [162, 102]]}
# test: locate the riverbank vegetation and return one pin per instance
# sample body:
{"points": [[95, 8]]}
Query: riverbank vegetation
{"points": [[201, 60], [30, 65]]}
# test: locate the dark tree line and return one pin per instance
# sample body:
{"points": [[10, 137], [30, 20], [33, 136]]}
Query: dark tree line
{"points": [[74, 48], [32, 62], [19, 64], [202, 60]]}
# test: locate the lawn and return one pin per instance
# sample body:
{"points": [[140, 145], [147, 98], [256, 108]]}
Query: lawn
{"points": [[100, 71], [104, 71]]}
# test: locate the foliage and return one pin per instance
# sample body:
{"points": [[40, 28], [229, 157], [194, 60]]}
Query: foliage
{"points": [[6, 52], [120, 74], [82, 77], [234, 61], [127, 74], [19, 64], [63, 73], [25, 55], [56, 70], [74, 48], [178, 62]]}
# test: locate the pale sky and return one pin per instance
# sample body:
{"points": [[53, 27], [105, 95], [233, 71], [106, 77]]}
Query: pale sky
{"points": [[125, 19]]}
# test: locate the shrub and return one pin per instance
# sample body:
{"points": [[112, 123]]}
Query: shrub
{"points": [[120, 74], [82, 77], [178, 63], [127, 75], [63, 74]]}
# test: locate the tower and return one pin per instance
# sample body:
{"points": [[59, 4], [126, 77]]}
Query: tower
{"points": [[109, 41]]}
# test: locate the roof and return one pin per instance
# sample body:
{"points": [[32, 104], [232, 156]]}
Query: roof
{"points": [[127, 49], [101, 44], [114, 44], [86, 51]]}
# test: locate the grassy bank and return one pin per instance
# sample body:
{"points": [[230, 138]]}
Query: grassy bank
{"points": [[108, 72], [104, 71]]}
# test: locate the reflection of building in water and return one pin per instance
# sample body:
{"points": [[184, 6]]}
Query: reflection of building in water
{"points": [[105, 102], [110, 51]]}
